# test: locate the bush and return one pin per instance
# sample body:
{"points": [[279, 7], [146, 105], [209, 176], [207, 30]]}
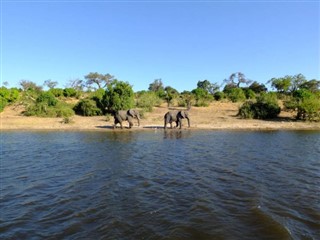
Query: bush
{"points": [[236, 95], [119, 95], [266, 107], [3, 103], [87, 107], [218, 96], [47, 98], [202, 97], [147, 100], [97, 96], [70, 92], [306, 103], [309, 109], [41, 109], [250, 94], [57, 92], [10, 95]]}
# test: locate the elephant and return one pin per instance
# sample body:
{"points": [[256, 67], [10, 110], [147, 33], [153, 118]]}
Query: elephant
{"points": [[126, 115], [176, 116]]}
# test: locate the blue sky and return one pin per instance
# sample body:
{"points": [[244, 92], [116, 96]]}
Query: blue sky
{"points": [[181, 42]]}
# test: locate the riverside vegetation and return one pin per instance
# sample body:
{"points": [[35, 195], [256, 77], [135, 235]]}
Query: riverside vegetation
{"points": [[102, 94]]}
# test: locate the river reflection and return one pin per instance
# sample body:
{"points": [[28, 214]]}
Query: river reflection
{"points": [[173, 184]]}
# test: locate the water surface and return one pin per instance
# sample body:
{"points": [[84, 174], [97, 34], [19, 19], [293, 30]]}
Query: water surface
{"points": [[160, 185]]}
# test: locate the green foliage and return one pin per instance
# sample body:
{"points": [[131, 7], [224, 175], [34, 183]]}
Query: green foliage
{"points": [[236, 95], [47, 98], [249, 93], [306, 103], [87, 107], [147, 100], [3, 103], [218, 96], [257, 87], [41, 109], [30, 86], [208, 86], [202, 97], [266, 107], [312, 85], [10, 95], [170, 95], [288, 83], [70, 92], [57, 92], [101, 80], [309, 108], [119, 95], [186, 99], [98, 96]]}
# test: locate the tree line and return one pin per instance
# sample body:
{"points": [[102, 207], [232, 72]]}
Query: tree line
{"points": [[102, 94]]}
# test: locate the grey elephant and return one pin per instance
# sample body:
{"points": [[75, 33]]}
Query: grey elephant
{"points": [[126, 115], [176, 116]]}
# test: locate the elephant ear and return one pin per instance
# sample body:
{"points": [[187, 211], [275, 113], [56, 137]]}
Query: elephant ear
{"points": [[183, 114], [132, 112]]}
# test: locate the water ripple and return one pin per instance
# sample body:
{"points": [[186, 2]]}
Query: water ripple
{"points": [[162, 185]]}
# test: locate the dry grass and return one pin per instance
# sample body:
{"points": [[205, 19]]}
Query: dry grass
{"points": [[219, 115]]}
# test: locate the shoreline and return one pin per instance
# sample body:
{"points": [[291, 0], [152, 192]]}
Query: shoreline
{"points": [[218, 116]]}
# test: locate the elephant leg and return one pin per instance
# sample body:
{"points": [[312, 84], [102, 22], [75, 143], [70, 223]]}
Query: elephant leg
{"points": [[130, 122]]}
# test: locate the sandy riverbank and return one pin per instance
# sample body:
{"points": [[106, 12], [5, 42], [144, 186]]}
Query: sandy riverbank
{"points": [[219, 115]]}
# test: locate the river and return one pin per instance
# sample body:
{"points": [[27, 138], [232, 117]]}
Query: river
{"points": [[160, 184]]}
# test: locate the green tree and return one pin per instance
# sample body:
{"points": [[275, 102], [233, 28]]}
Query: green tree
{"points": [[156, 85], [147, 100], [202, 97], [171, 94], [211, 88], [118, 96], [50, 84], [257, 87], [29, 85], [236, 94], [266, 107], [288, 84], [237, 78], [186, 99], [312, 85], [87, 107], [101, 80]]}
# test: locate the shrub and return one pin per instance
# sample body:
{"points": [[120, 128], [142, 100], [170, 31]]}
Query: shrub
{"points": [[306, 103], [119, 95], [250, 94], [202, 97], [70, 92], [218, 96], [57, 92], [97, 96], [3, 103], [87, 107], [266, 107], [41, 109], [236, 95], [147, 100], [309, 108], [10, 95], [47, 98]]}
